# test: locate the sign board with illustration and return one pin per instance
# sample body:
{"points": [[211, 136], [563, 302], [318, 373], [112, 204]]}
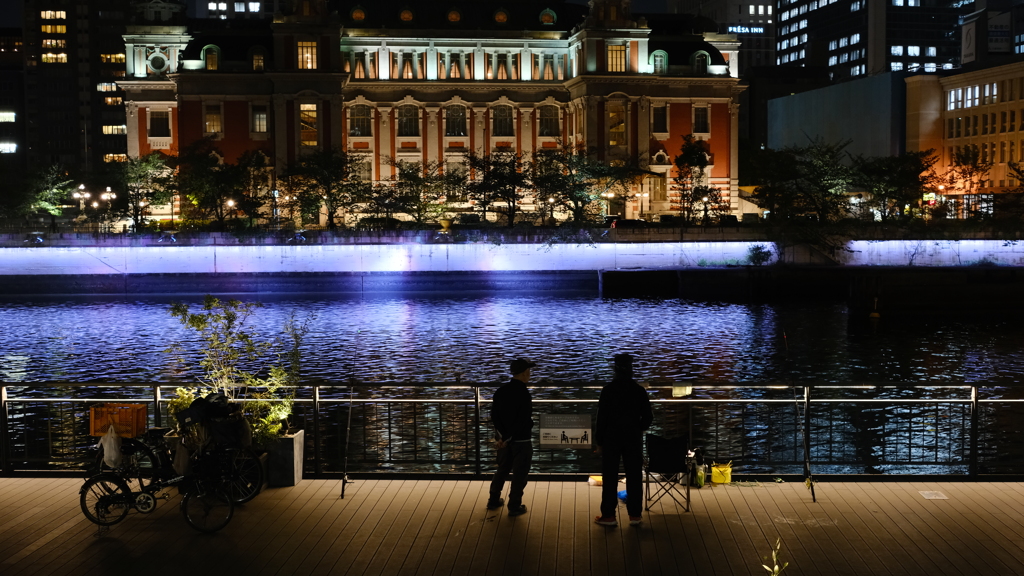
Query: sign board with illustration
{"points": [[566, 431]]}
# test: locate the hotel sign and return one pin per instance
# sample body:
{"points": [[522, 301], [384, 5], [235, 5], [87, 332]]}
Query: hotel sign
{"points": [[746, 29]]}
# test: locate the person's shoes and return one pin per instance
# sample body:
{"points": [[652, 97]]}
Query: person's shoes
{"points": [[495, 504], [517, 510], [635, 520], [606, 521]]}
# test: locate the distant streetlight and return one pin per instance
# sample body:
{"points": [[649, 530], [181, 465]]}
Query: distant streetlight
{"points": [[81, 195], [705, 199], [551, 205], [642, 196], [275, 194]]}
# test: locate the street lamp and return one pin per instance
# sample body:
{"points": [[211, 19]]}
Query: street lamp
{"points": [[551, 205], [642, 196], [705, 199], [274, 193], [81, 195]]}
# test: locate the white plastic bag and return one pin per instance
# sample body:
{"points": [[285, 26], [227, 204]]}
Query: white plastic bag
{"points": [[111, 444]]}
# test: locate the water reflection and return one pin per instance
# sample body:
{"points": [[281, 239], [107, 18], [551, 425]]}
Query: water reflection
{"points": [[573, 338]]}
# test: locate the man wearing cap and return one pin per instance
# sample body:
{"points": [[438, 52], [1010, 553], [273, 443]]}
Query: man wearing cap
{"points": [[623, 413], [511, 413]]}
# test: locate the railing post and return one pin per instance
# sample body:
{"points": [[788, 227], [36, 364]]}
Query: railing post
{"points": [[479, 464], [972, 469], [5, 437], [318, 470], [156, 405]]}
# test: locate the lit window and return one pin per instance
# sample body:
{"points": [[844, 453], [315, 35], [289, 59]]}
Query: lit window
{"points": [[259, 118], [760, 9], [53, 15], [844, 42], [930, 51], [239, 7], [854, 38], [8, 147], [254, 6], [50, 58], [211, 6], [211, 119], [115, 129], [832, 45], [929, 67], [257, 62], [54, 43], [616, 119], [113, 101], [222, 6], [7, 116], [769, 9], [307, 55], [309, 133], [617, 58], [896, 50], [833, 60], [112, 58], [896, 66], [106, 87], [897, 2], [115, 157], [212, 61], [913, 50], [752, 9], [53, 29]]}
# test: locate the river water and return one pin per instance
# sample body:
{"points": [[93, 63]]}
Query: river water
{"points": [[573, 338]]}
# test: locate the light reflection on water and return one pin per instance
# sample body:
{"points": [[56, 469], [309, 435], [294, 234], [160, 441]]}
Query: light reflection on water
{"points": [[426, 340], [572, 338]]}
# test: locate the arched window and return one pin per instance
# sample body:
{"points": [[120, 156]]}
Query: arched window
{"points": [[258, 59], [548, 121], [408, 120], [455, 120], [700, 63], [359, 121], [502, 116], [659, 62], [211, 57]]}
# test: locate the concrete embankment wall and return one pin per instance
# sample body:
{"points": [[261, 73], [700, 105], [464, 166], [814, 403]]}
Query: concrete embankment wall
{"points": [[902, 273]]}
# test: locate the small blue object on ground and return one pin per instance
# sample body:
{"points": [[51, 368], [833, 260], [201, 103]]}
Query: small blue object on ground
{"points": [[622, 495]]}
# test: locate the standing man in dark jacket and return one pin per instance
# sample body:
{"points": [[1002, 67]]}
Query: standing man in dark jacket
{"points": [[511, 413], [623, 413]]}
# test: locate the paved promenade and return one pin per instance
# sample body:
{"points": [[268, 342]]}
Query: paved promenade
{"points": [[441, 527]]}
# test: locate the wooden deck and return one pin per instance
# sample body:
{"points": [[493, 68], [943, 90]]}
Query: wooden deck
{"points": [[441, 527]]}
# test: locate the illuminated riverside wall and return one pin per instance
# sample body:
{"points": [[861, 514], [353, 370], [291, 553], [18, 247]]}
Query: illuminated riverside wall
{"points": [[475, 257], [689, 269]]}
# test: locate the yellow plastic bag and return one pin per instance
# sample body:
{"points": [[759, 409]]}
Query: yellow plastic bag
{"points": [[721, 473]]}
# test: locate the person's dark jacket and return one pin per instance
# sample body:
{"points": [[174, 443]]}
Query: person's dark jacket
{"points": [[623, 412], [512, 410]]}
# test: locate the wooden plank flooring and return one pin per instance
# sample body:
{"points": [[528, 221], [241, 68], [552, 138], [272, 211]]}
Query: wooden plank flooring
{"points": [[441, 528]]}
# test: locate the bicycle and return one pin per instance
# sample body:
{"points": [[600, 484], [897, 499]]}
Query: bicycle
{"points": [[107, 499], [143, 462]]}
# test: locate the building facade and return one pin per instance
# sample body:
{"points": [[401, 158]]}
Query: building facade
{"points": [[429, 84]]}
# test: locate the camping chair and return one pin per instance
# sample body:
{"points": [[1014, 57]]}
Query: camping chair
{"points": [[668, 467]]}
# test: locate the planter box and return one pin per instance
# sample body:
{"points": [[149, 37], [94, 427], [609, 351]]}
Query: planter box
{"points": [[284, 467]]}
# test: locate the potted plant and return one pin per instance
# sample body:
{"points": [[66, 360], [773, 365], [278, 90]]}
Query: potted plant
{"points": [[248, 367]]}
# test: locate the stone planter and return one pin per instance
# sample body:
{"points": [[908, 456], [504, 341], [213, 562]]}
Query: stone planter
{"points": [[284, 467]]}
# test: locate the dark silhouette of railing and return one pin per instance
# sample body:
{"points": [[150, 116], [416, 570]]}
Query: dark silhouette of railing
{"points": [[954, 430]]}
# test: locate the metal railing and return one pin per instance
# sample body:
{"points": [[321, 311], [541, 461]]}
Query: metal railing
{"points": [[964, 431]]}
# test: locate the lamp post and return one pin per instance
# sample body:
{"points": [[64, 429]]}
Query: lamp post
{"points": [[705, 200], [642, 196], [81, 195], [274, 193], [551, 206]]}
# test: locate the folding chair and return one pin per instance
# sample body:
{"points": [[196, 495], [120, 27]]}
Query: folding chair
{"points": [[668, 467]]}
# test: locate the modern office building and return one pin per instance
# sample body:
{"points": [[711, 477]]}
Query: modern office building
{"points": [[74, 57], [856, 38], [12, 101], [428, 83]]}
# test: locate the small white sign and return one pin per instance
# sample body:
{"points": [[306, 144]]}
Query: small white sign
{"points": [[566, 431]]}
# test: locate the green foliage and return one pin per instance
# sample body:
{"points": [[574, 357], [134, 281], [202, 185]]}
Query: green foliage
{"points": [[242, 364], [499, 178], [51, 188], [327, 179], [697, 199], [775, 569], [139, 183], [422, 190], [575, 179], [896, 183], [758, 255]]}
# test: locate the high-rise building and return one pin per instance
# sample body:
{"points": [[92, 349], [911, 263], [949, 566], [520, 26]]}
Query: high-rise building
{"points": [[74, 57], [865, 37], [751, 21], [12, 101]]}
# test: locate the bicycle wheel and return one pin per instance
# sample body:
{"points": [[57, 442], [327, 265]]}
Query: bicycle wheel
{"points": [[139, 465], [105, 499], [207, 510], [246, 478]]}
